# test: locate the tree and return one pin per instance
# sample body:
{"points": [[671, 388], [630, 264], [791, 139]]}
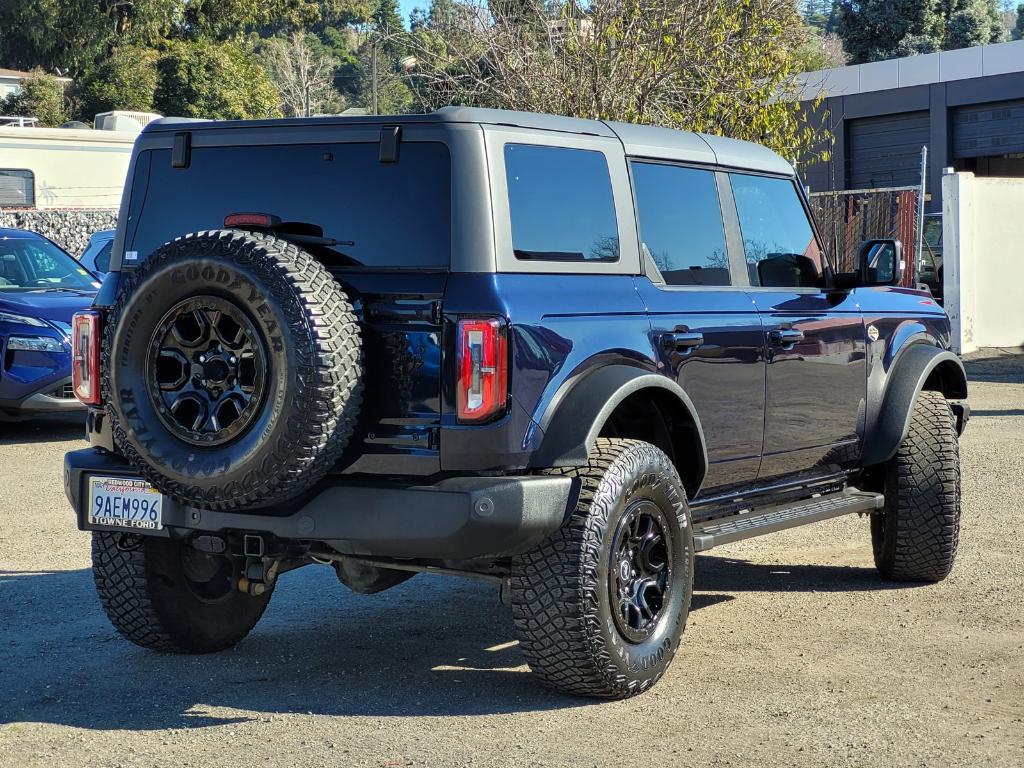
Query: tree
{"points": [[719, 66], [302, 73], [873, 30], [213, 81], [40, 96], [822, 50], [127, 80], [74, 35], [1018, 30]]}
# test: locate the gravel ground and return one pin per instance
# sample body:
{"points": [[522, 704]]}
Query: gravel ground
{"points": [[796, 654]]}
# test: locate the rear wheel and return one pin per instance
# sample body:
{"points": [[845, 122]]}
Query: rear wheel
{"points": [[915, 537], [600, 606], [166, 595]]}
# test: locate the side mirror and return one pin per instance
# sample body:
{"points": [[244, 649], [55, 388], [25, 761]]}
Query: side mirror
{"points": [[880, 262]]}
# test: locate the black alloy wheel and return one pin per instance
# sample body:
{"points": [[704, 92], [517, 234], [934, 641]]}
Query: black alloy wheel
{"points": [[640, 571], [207, 370]]}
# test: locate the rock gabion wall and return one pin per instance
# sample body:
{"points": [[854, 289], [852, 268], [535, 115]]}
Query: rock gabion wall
{"points": [[69, 228]]}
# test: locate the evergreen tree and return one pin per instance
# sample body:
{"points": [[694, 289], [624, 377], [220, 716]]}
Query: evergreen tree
{"points": [[41, 96], [873, 30], [1018, 30], [217, 81]]}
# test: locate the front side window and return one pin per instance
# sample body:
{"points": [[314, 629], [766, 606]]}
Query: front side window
{"points": [[17, 188], [681, 226], [561, 205], [27, 263], [779, 242]]}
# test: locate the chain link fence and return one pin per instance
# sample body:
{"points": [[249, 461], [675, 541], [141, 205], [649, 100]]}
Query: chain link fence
{"points": [[847, 218]]}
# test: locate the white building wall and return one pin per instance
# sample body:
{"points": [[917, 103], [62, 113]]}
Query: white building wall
{"points": [[983, 260]]}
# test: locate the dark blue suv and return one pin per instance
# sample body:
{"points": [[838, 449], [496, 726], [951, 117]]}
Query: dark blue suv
{"points": [[41, 287], [563, 355]]}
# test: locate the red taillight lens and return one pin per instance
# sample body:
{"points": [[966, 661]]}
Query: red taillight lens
{"points": [[85, 356], [483, 370]]}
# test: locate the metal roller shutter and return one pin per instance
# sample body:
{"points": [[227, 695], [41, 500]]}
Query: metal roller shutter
{"points": [[983, 130], [885, 151]]}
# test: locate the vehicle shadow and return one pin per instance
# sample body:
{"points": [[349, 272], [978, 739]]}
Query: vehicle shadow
{"points": [[733, 575], [431, 646], [42, 429]]}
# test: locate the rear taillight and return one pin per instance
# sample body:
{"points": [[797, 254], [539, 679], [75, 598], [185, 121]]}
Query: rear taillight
{"points": [[483, 370], [85, 356]]}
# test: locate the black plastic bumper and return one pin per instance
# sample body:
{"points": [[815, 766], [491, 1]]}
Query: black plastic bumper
{"points": [[462, 518]]}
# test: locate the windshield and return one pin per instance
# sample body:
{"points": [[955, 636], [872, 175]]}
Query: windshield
{"points": [[29, 263]]}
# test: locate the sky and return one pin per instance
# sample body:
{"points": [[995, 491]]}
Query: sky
{"points": [[406, 7]]}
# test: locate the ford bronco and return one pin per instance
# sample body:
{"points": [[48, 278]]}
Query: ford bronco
{"points": [[563, 355]]}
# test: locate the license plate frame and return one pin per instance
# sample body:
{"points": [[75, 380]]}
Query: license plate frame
{"points": [[123, 504]]}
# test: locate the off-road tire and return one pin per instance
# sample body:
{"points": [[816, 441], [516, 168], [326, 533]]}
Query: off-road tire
{"points": [[561, 605], [141, 584], [915, 537], [314, 380]]}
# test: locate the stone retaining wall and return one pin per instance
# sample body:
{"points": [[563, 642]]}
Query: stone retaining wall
{"points": [[70, 228]]}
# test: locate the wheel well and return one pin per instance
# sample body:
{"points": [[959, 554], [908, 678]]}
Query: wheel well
{"points": [[657, 417], [948, 379]]}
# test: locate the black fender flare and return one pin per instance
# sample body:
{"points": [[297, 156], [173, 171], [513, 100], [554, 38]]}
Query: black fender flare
{"points": [[910, 372], [574, 419]]}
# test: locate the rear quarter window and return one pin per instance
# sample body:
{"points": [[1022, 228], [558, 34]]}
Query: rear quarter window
{"points": [[561, 205], [393, 215]]}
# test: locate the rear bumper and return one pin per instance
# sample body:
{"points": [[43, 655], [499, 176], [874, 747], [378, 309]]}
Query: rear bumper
{"points": [[462, 518]]}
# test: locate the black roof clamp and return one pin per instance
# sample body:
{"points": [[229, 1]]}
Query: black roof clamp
{"points": [[390, 135]]}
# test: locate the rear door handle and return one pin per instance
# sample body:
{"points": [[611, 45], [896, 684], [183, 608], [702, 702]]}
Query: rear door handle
{"points": [[681, 341], [785, 337]]}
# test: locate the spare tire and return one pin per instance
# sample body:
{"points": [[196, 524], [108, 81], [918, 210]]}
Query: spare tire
{"points": [[231, 370]]}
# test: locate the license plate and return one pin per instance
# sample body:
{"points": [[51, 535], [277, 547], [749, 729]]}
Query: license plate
{"points": [[124, 502]]}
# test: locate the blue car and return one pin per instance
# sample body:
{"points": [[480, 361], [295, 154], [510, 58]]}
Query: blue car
{"points": [[41, 287], [96, 256]]}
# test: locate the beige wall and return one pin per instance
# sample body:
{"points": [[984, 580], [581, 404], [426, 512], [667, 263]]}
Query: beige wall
{"points": [[983, 260]]}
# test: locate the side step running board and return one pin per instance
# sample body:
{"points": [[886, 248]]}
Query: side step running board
{"points": [[771, 519]]}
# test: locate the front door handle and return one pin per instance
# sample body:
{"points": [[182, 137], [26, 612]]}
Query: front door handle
{"points": [[785, 337], [681, 341]]}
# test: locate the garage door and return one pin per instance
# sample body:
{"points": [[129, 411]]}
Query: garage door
{"points": [[996, 128], [885, 151]]}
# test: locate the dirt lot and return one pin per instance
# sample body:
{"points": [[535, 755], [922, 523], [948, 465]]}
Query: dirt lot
{"points": [[796, 654]]}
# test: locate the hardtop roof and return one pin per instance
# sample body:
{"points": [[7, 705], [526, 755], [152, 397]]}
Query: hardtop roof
{"points": [[638, 140]]}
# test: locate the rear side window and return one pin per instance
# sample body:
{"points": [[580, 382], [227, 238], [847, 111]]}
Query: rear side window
{"points": [[681, 226], [393, 215], [103, 257], [561, 204], [780, 246]]}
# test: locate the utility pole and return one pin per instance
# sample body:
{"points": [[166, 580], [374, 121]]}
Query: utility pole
{"points": [[373, 75]]}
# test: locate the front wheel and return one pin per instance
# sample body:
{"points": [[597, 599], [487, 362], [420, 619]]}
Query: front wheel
{"points": [[165, 595], [601, 605], [915, 537]]}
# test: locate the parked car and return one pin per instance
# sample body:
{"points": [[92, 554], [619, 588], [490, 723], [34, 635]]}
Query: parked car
{"points": [[96, 256], [562, 355], [41, 287]]}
